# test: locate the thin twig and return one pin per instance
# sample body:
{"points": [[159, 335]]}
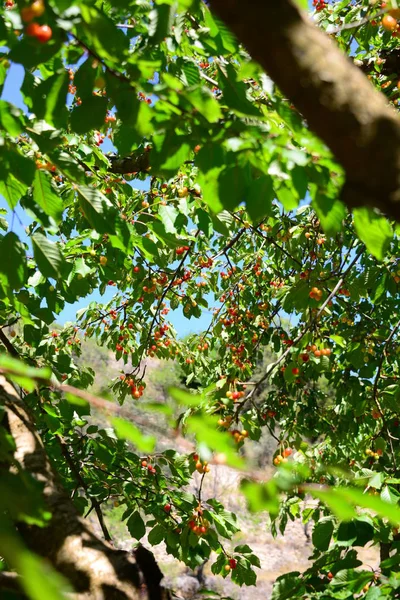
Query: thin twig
{"points": [[82, 483], [275, 364], [200, 488], [356, 24]]}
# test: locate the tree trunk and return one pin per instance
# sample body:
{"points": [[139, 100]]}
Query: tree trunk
{"points": [[334, 96], [94, 568]]}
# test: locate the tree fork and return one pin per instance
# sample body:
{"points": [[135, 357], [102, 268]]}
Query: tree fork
{"points": [[95, 569], [334, 96]]}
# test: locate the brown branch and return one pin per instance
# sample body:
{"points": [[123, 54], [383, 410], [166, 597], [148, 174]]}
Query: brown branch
{"points": [[338, 101], [8, 345], [136, 163], [270, 239], [82, 483]]}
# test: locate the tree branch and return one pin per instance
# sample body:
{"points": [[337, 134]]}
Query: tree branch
{"points": [[136, 163], [8, 345], [337, 100]]}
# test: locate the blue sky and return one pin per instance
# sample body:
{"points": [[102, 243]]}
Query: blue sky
{"points": [[18, 222]]}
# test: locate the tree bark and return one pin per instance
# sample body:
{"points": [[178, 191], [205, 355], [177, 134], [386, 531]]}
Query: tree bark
{"points": [[95, 569], [136, 163], [334, 96]]}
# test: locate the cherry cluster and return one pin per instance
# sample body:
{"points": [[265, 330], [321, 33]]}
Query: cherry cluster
{"points": [[319, 5]]}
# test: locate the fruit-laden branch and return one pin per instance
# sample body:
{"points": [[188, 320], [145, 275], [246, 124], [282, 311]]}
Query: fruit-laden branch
{"points": [[94, 568], [334, 96]]}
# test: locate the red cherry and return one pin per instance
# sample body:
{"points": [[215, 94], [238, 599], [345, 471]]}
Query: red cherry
{"points": [[44, 35], [295, 370], [33, 29], [232, 563], [41, 32], [167, 508]]}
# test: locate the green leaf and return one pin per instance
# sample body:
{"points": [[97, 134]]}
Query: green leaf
{"points": [[223, 39], [374, 230], [343, 501], [11, 188], [89, 115], [49, 99], [136, 526], [103, 37], [352, 580], [339, 340], [331, 212], [205, 428], [232, 186], [322, 533], [288, 586], [13, 265], [189, 73], [206, 104], [210, 188], [136, 115], [156, 535], [46, 196], [129, 431], [261, 496], [18, 367], [234, 93], [185, 398], [168, 215], [31, 53], [259, 198], [22, 167], [47, 255], [97, 209], [171, 156], [161, 21], [287, 197], [85, 78], [364, 530], [11, 119], [346, 534]]}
